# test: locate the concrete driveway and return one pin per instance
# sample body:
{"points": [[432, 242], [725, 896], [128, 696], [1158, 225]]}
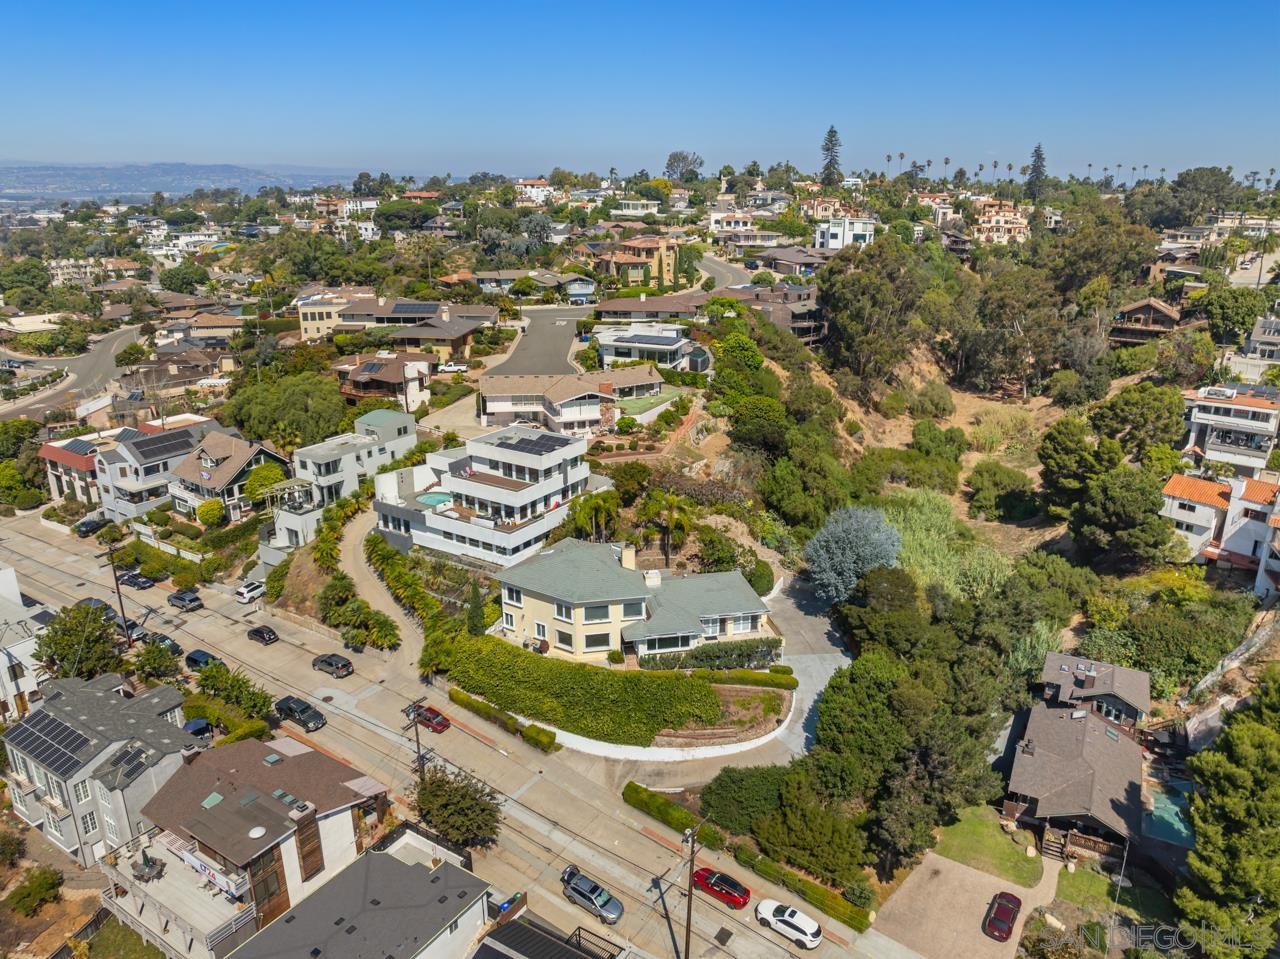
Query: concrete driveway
{"points": [[938, 911], [815, 650]]}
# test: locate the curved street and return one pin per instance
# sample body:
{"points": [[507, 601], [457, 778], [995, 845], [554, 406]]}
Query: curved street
{"points": [[724, 272], [88, 375]]}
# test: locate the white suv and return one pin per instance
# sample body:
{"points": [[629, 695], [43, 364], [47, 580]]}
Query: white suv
{"points": [[249, 591], [790, 922]]}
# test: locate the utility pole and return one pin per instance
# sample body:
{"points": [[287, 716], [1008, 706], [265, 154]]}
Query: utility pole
{"points": [[691, 836], [115, 578], [412, 712]]}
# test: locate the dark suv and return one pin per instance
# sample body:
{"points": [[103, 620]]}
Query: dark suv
{"points": [[264, 635], [333, 664], [301, 712]]}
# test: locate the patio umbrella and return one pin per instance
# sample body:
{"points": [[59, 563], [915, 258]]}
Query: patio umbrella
{"points": [[146, 860]]}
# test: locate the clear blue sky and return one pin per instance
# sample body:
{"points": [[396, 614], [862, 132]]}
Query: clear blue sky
{"points": [[421, 88]]}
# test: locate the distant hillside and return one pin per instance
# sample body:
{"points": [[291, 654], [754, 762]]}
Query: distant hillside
{"points": [[28, 181]]}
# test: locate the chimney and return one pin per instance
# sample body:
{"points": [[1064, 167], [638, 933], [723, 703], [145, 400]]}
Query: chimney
{"points": [[652, 578], [189, 754], [628, 557], [642, 297]]}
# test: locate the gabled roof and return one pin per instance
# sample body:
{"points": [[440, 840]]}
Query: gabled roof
{"points": [[559, 388], [1159, 305], [1260, 491], [1196, 490], [1079, 679], [233, 454]]}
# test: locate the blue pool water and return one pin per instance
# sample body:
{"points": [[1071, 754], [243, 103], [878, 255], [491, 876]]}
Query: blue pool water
{"points": [[435, 499], [1170, 821]]}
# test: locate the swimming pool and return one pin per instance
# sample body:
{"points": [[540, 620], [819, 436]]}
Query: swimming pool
{"points": [[433, 500], [1170, 821]]}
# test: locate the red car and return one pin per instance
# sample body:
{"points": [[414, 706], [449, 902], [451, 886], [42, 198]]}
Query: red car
{"points": [[428, 716], [1002, 915], [720, 886]]}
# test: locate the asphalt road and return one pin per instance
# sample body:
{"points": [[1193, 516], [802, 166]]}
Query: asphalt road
{"points": [[544, 346], [89, 374], [1250, 277], [552, 813], [724, 273]]}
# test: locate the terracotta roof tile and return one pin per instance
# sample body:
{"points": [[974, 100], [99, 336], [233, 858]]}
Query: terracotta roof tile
{"points": [[1196, 490], [1259, 491]]}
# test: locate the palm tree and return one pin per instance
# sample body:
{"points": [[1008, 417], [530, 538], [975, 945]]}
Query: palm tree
{"points": [[1144, 171], [1134, 170], [1090, 171], [670, 515], [1008, 168], [1162, 169], [946, 162], [596, 514], [928, 164], [901, 156], [1266, 244], [888, 159], [995, 170], [981, 167]]}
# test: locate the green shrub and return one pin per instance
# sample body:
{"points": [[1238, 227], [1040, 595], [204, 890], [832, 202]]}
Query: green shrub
{"points": [[761, 577], [781, 668], [164, 532], [1130, 360], [893, 404], [880, 465], [154, 571], [274, 586], [931, 440], [13, 846], [486, 711], [746, 677], [616, 657], [820, 897], [158, 518], [539, 738], [671, 814], [861, 895], [6, 510], [189, 530], [211, 512], [38, 886], [740, 796], [852, 427], [252, 729], [999, 492], [216, 539], [186, 579], [932, 401], [28, 499]]}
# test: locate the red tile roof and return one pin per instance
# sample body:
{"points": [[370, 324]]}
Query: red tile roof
{"points": [[1259, 491], [1196, 490]]}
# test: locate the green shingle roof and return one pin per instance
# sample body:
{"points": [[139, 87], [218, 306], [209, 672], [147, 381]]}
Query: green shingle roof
{"points": [[574, 571]]}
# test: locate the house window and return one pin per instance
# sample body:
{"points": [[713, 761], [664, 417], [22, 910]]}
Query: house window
{"points": [[514, 596], [1183, 527], [743, 624], [18, 801], [1187, 507], [595, 614], [104, 797], [565, 612], [564, 639], [89, 822], [53, 825], [710, 626], [82, 791], [540, 630], [596, 641], [633, 610], [453, 927], [508, 621]]}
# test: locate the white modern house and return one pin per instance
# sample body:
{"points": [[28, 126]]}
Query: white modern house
{"points": [[494, 499], [335, 466], [1232, 524], [845, 231], [624, 209], [1235, 423], [662, 343], [22, 621], [82, 766]]}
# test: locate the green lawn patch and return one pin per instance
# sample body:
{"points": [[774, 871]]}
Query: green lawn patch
{"points": [[115, 941], [977, 840], [635, 405], [1142, 901]]}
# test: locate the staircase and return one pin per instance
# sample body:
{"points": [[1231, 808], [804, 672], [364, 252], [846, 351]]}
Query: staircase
{"points": [[1053, 845]]}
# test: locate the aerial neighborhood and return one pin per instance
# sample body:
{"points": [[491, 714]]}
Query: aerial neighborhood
{"points": [[874, 555]]}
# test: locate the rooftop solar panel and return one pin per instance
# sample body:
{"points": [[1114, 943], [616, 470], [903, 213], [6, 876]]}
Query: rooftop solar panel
{"points": [[369, 367], [129, 433], [650, 340], [415, 308], [134, 770], [538, 445], [79, 447]]}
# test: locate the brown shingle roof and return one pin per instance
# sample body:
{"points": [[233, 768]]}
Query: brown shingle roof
{"points": [[231, 452], [1159, 305], [1071, 674], [560, 388]]}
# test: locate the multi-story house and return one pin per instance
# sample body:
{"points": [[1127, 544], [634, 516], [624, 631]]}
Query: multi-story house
{"points": [[658, 253], [84, 764], [1147, 320], [1077, 771], [585, 599], [133, 474], [723, 221], [387, 374], [791, 308], [239, 835], [355, 206], [23, 622], [743, 241], [1261, 349], [1226, 523], [335, 467], [317, 308], [1235, 423], [445, 328], [628, 267], [845, 231], [217, 469], [494, 499], [577, 404], [534, 191], [662, 343], [1002, 227], [673, 306], [634, 209]]}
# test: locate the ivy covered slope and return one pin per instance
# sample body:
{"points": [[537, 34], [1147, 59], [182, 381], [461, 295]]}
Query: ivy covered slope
{"points": [[629, 707]]}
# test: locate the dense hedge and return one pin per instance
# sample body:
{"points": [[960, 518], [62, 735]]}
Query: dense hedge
{"points": [[189, 530], [485, 710], [221, 713], [216, 539], [781, 668], [539, 738], [820, 897], [183, 571], [746, 677], [726, 654], [276, 579], [670, 813]]}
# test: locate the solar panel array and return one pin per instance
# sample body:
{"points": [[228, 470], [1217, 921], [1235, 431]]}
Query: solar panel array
{"points": [[538, 445], [164, 444], [129, 433], [49, 741], [653, 340], [370, 367], [79, 447], [415, 309]]}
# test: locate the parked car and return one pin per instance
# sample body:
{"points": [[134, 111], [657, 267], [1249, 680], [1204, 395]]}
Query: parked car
{"points": [[160, 639], [198, 659], [301, 712], [789, 922], [428, 716], [187, 600], [590, 895], [130, 629], [722, 886], [454, 368], [90, 525], [264, 635], [333, 664], [249, 591], [136, 581], [1002, 916]]}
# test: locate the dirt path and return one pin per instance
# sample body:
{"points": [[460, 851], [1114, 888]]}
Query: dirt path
{"points": [[369, 588]]}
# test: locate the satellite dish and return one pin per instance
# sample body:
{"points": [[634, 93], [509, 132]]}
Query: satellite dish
{"points": [[257, 832]]}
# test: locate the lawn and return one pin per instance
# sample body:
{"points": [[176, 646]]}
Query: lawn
{"points": [[635, 405], [977, 840], [115, 941], [1089, 888]]}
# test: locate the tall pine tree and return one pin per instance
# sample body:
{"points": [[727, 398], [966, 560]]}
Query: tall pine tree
{"points": [[831, 158], [1037, 176]]}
